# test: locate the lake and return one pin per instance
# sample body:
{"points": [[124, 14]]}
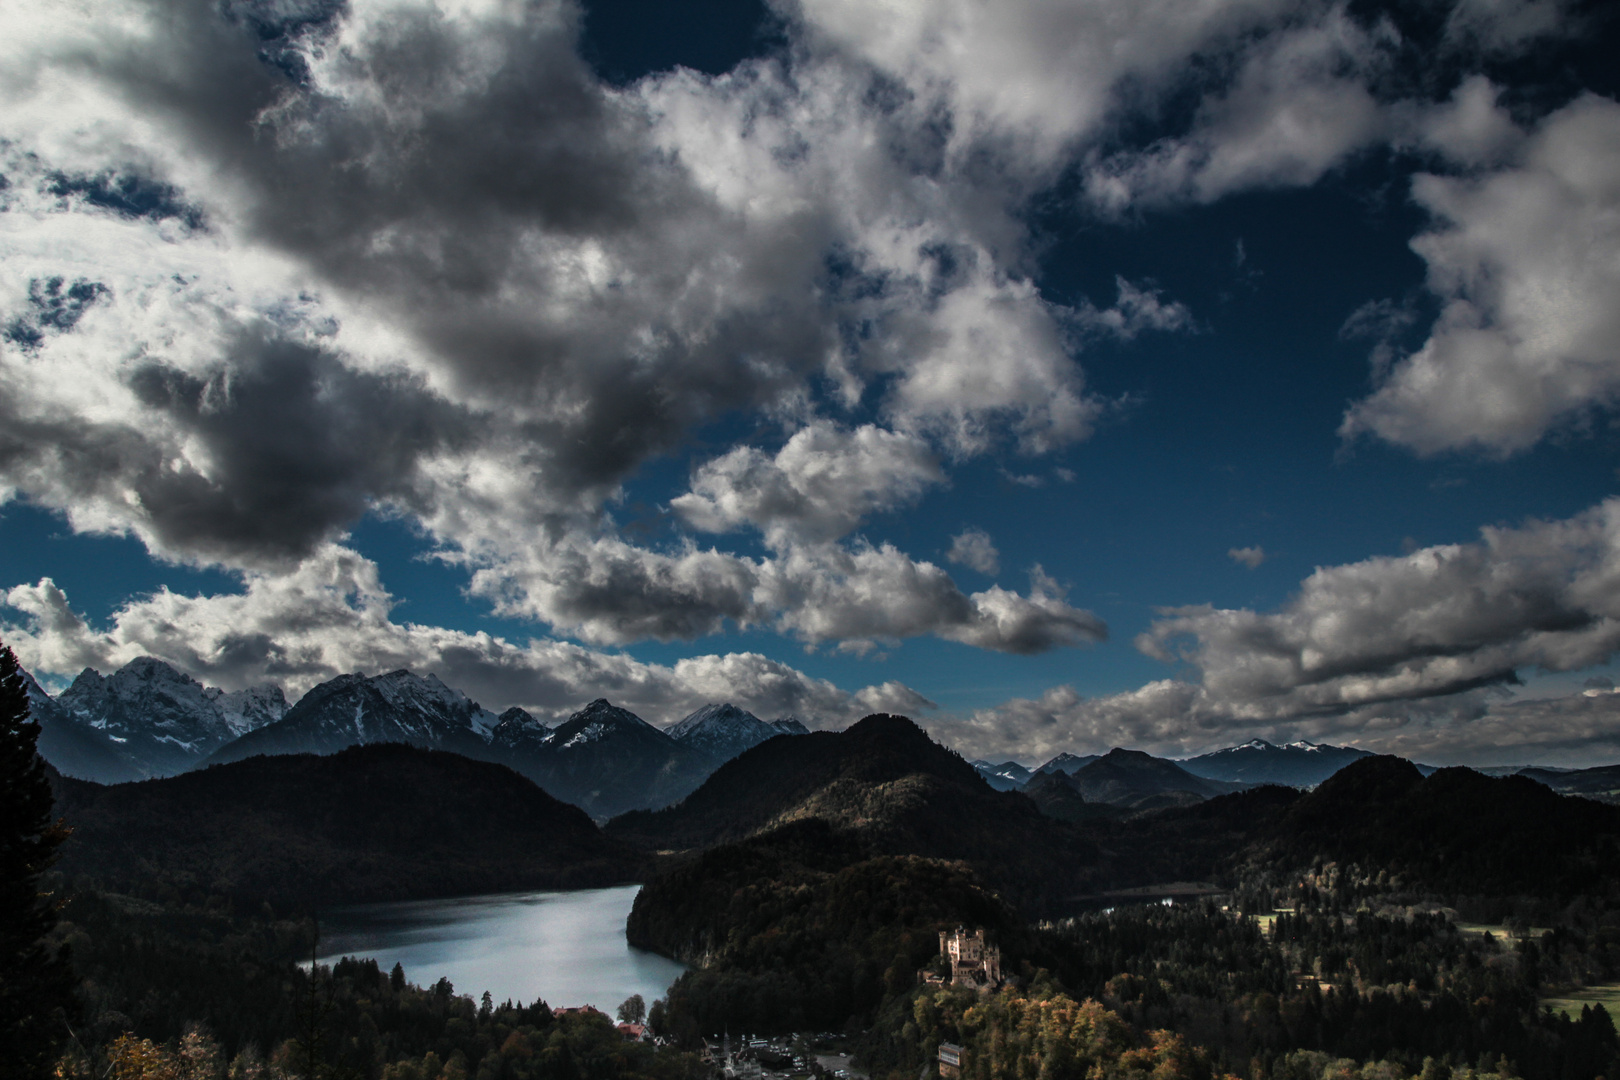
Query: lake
{"points": [[565, 947]]}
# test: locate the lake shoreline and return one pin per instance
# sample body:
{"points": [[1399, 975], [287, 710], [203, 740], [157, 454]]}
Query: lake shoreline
{"points": [[566, 947]]}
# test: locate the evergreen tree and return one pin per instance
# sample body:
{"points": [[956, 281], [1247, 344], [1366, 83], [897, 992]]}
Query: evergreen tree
{"points": [[36, 984]]}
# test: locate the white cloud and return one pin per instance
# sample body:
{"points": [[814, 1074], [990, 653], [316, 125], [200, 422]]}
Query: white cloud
{"points": [[1159, 717], [1440, 621], [974, 549], [1523, 262], [606, 591], [1251, 557], [417, 258], [1507, 26], [1136, 310], [1031, 77], [1173, 719], [820, 486], [1298, 106], [1468, 129], [446, 273]]}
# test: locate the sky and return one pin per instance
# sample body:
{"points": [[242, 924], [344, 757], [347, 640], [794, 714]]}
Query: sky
{"points": [[1064, 375]]}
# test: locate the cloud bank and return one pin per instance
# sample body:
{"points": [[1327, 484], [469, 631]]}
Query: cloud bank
{"points": [[1411, 654], [332, 615]]}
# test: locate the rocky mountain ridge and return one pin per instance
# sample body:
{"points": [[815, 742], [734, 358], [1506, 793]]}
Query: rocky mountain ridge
{"points": [[356, 710], [160, 721]]}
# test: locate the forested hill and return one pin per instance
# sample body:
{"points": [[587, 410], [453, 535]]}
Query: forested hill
{"points": [[372, 823], [1455, 831], [866, 776], [887, 783]]}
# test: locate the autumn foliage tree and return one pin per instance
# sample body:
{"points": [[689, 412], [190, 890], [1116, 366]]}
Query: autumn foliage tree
{"points": [[35, 981]]}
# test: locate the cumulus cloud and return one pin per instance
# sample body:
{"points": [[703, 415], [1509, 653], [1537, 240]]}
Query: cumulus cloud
{"points": [[1032, 77], [1136, 310], [275, 269], [1298, 106], [818, 487], [1468, 129], [1251, 557], [1440, 621], [1160, 717], [974, 549], [1506, 26], [607, 591], [332, 615], [1522, 261]]}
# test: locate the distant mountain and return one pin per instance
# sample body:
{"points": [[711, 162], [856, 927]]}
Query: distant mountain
{"points": [[789, 725], [163, 722], [1298, 764], [1601, 782], [371, 823], [1008, 776], [353, 710], [1069, 763], [721, 732], [609, 760], [1139, 781], [73, 747]]}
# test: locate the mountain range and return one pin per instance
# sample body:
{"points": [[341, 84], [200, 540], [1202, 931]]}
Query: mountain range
{"points": [[1130, 778], [1298, 764], [149, 720]]}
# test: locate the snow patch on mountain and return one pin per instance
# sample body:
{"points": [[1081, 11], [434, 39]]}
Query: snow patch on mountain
{"points": [[722, 731], [588, 734], [165, 721]]}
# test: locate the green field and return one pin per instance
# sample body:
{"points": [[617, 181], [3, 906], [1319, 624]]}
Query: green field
{"points": [[1270, 917], [1498, 931], [1605, 994]]}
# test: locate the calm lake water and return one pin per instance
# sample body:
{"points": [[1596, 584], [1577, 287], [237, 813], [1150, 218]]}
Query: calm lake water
{"points": [[565, 947]]}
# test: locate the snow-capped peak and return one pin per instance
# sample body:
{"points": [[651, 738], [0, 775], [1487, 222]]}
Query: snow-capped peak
{"points": [[714, 716], [722, 731], [164, 719]]}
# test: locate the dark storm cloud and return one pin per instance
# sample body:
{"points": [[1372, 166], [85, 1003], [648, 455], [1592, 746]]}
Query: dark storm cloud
{"points": [[276, 449], [460, 180]]}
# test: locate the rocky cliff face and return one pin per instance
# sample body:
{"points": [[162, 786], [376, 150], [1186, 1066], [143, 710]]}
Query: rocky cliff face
{"points": [[160, 721]]}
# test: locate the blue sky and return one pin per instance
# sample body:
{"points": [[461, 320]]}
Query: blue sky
{"points": [[1065, 376]]}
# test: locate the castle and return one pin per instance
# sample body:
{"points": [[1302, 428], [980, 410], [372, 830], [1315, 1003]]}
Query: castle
{"points": [[969, 960]]}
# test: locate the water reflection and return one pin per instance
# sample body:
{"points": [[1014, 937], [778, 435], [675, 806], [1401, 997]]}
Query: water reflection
{"points": [[565, 947]]}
